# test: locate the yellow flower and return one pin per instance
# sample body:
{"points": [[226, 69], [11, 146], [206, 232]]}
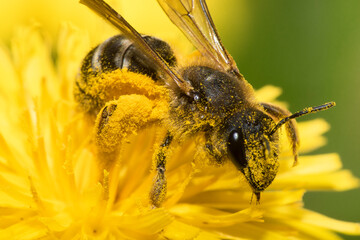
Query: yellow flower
{"points": [[53, 187]]}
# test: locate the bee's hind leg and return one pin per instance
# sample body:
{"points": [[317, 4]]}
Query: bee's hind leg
{"points": [[158, 191], [117, 120]]}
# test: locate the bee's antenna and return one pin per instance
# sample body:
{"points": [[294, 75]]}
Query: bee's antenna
{"points": [[301, 113]]}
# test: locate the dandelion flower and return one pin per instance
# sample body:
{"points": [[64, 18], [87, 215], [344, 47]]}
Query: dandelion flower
{"points": [[53, 186]]}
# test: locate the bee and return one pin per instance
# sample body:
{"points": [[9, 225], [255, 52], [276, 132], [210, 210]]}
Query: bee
{"points": [[212, 98]]}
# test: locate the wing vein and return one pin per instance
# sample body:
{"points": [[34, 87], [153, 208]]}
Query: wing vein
{"points": [[194, 20]]}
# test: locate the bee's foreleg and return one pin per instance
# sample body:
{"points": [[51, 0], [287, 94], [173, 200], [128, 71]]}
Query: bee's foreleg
{"points": [[291, 127], [213, 150], [158, 191]]}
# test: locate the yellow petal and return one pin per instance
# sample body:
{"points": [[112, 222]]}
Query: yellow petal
{"points": [[319, 172], [322, 163], [24, 229], [253, 231], [313, 222], [329, 223], [209, 217], [178, 231], [147, 223], [312, 134], [268, 93]]}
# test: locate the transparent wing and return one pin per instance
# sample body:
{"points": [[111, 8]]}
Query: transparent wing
{"points": [[104, 10], [192, 17]]}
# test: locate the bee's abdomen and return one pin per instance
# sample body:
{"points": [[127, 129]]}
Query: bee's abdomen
{"points": [[118, 52], [106, 56], [92, 92]]}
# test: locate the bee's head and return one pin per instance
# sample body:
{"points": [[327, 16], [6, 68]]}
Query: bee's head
{"points": [[253, 144], [252, 150]]}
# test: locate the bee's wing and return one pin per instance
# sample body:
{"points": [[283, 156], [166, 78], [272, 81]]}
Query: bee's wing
{"points": [[104, 10], [192, 17]]}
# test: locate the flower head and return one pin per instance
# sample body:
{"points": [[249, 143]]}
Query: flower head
{"points": [[55, 187]]}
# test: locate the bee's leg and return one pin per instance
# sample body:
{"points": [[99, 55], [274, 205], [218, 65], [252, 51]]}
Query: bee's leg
{"points": [[116, 121], [158, 191], [213, 148], [291, 128]]}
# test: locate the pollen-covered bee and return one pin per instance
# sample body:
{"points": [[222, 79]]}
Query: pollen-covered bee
{"points": [[212, 98]]}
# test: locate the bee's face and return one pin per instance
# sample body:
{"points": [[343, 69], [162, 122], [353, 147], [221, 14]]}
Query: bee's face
{"points": [[253, 151]]}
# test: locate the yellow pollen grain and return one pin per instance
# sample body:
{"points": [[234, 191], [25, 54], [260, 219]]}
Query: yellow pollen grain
{"points": [[131, 101]]}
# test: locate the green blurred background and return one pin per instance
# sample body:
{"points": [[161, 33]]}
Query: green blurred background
{"points": [[311, 49]]}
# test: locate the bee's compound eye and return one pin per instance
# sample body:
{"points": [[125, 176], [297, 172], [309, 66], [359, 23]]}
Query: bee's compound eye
{"points": [[237, 149]]}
